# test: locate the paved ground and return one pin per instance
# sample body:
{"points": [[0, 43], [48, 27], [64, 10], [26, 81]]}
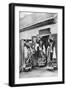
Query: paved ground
{"points": [[39, 72]]}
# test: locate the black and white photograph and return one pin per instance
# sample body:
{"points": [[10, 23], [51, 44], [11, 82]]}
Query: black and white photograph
{"points": [[38, 44], [36, 54]]}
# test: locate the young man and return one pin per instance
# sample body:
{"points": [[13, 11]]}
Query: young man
{"points": [[51, 54]]}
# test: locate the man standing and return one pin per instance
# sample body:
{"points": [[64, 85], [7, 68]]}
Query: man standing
{"points": [[51, 54]]}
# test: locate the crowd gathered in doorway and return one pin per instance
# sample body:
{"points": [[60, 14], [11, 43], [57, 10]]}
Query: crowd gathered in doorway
{"points": [[37, 53]]}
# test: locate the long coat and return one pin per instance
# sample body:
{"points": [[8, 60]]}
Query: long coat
{"points": [[51, 50]]}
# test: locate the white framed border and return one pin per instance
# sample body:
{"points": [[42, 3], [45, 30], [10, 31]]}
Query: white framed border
{"points": [[42, 79]]}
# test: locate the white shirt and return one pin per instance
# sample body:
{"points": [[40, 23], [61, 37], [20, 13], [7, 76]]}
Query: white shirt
{"points": [[25, 52]]}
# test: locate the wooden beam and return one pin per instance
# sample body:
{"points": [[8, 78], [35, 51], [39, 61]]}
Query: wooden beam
{"points": [[44, 23]]}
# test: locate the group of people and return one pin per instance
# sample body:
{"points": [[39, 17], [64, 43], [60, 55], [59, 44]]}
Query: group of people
{"points": [[36, 53]]}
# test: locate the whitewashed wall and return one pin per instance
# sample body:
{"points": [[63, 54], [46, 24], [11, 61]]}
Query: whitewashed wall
{"points": [[29, 33]]}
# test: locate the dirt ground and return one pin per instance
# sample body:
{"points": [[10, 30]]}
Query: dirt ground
{"points": [[38, 72]]}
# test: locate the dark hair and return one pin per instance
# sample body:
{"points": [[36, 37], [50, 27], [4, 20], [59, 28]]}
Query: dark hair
{"points": [[51, 40]]}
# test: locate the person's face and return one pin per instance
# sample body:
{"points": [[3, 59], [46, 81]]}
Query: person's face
{"points": [[40, 42], [27, 43], [38, 38], [34, 40]]}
